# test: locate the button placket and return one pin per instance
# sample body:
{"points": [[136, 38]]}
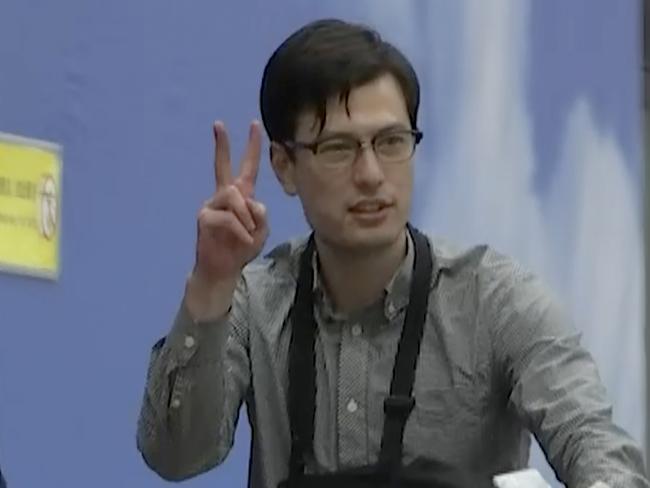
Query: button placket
{"points": [[352, 386]]}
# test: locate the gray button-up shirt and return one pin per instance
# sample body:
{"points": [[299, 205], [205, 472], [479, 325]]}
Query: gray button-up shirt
{"points": [[497, 361]]}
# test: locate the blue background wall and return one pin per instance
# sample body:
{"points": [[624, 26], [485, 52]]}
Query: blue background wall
{"points": [[130, 89]]}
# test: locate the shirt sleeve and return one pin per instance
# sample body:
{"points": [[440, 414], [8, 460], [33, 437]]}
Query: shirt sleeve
{"points": [[554, 384], [197, 378]]}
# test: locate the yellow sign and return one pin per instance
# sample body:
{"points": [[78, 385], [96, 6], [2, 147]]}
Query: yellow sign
{"points": [[30, 206]]}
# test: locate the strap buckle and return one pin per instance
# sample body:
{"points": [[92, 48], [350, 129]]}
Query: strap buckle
{"points": [[398, 405]]}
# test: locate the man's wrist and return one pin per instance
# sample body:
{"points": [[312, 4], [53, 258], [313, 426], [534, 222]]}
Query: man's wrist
{"points": [[208, 301]]}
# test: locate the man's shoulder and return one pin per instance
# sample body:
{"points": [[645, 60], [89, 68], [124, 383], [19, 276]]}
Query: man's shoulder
{"points": [[496, 277], [279, 266], [482, 260]]}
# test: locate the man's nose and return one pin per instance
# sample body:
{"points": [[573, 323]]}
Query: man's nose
{"points": [[368, 171]]}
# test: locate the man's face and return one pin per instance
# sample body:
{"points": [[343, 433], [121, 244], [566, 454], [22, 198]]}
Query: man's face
{"points": [[364, 204]]}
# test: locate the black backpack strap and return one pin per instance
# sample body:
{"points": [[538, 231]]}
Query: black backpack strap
{"points": [[302, 370], [400, 402]]}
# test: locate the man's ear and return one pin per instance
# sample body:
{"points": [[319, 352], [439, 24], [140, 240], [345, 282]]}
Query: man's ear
{"points": [[284, 168]]}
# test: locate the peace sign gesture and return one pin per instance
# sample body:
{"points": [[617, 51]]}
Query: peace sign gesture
{"points": [[232, 225], [250, 163]]}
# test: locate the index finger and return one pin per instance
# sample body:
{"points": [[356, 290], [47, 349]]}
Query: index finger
{"points": [[222, 165], [251, 162]]}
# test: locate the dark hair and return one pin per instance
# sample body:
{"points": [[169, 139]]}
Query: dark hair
{"points": [[323, 59]]}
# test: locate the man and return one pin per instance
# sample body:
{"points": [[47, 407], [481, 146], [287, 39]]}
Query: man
{"points": [[367, 354]]}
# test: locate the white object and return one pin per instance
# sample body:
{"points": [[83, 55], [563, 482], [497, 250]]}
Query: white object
{"points": [[527, 478], [189, 342], [352, 406]]}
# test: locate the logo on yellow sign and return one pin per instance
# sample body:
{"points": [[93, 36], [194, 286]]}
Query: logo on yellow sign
{"points": [[30, 206]]}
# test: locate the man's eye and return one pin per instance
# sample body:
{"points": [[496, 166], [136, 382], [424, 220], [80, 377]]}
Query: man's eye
{"points": [[393, 140], [335, 146]]}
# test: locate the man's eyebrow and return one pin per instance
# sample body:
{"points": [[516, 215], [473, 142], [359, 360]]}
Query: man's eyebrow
{"points": [[328, 134], [392, 127]]}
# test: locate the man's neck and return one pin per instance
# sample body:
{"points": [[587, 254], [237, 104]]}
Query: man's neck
{"points": [[355, 280]]}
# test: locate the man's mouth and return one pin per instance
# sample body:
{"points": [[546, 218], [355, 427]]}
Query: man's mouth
{"points": [[369, 206]]}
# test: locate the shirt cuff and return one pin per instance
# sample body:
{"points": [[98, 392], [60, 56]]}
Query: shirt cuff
{"points": [[201, 342]]}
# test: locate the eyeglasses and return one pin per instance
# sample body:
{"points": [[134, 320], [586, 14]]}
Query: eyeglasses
{"points": [[390, 147]]}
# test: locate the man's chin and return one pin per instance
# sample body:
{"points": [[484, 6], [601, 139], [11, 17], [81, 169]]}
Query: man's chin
{"points": [[368, 239]]}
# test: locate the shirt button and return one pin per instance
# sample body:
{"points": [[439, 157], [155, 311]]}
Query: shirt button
{"points": [[391, 309], [189, 342], [352, 406], [356, 330], [175, 403]]}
